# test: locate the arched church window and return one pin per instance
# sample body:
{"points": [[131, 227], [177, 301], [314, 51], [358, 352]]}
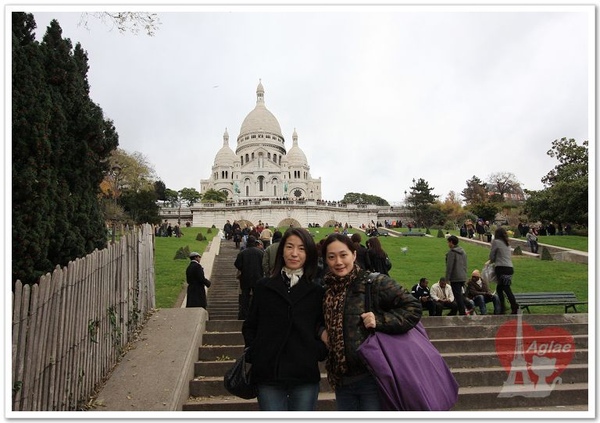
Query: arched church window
{"points": [[247, 159], [242, 157], [261, 181]]}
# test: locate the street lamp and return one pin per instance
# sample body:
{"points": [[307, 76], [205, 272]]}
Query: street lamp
{"points": [[115, 171]]}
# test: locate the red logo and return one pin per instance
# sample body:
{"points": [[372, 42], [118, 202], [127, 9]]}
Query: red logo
{"points": [[544, 353]]}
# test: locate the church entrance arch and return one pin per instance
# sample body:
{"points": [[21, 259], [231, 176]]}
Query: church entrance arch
{"points": [[286, 223], [330, 224], [245, 224]]}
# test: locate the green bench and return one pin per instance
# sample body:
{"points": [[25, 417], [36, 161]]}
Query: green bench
{"points": [[566, 299]]}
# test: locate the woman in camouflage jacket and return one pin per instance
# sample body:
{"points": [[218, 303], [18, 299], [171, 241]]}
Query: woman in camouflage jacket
{"points": [[394, 310]]}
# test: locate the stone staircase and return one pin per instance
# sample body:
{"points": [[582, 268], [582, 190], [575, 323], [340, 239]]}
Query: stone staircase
{"points": [[223, 293], [478, 349]]}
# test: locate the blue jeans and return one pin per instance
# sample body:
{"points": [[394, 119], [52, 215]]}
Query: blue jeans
{"points": [[362, 395], [285, 397], [481, 301]]}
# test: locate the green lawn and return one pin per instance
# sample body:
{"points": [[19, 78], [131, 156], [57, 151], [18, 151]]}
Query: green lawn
{"points": [[574, 242], [170, 273], [425, 258]]}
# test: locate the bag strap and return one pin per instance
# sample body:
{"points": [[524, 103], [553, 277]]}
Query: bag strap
{"points": [[368, 285]]}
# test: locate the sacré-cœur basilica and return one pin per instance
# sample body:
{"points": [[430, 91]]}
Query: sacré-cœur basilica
{"points": [[264, 181]]}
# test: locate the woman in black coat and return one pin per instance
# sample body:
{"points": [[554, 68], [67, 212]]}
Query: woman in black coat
{"points": [[380, 262], [282, 328]]}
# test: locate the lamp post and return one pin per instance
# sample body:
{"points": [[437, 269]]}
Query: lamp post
{"points": [[115, 171]]}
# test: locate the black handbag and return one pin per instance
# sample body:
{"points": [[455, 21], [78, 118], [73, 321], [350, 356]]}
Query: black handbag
{"points": [[238, 379]]}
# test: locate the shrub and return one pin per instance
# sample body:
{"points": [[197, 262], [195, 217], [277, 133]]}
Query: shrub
{"points": [[440, 233], [201, 237], [518, 251], [209, 230], [427, 231], [183, 253], [546, 254]]}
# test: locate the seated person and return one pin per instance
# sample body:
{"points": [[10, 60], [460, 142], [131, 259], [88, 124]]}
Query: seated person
{"points": [[441, 292], [479, 291], [469, 303], [421, 292]]}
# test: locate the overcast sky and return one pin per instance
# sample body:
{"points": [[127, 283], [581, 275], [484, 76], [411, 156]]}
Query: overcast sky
{"points": [[378, 96]]}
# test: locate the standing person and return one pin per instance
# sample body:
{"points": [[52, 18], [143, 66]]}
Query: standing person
{"points": [[500, 255], [456, 271], [394, 310], [480, 229], [237, 237], [281, 331], [194, 275], [362, 254], [228, 229], [249, 263], [270, 254], [265, 236], [380, 262], [532, 239]]}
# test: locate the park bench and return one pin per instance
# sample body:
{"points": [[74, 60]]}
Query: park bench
{"points": [[567, 299]]}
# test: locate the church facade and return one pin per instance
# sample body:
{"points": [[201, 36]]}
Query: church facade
{"points": [[261, 167]]}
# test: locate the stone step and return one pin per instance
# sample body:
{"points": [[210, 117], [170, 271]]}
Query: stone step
{"points": [[481, 398], [202, 386], [436, 333], [455, 361], [474, 398], [209, 352]]}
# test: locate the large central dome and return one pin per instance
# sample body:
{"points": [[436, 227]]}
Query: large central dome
{"points": [[260, 120]]}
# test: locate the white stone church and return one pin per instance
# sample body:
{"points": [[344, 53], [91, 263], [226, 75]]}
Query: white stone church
{"points": [[265, 182], [260, 167]]}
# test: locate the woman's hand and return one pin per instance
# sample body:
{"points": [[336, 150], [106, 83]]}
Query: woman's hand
{"points": [[369, 320], [325, 338]]}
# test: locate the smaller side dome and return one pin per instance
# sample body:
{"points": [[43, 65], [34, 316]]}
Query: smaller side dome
{"points": [[296, 157], [225, 156]]}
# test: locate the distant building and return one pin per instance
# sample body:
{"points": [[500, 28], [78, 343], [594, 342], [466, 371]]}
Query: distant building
{"points": [[260, 167]]}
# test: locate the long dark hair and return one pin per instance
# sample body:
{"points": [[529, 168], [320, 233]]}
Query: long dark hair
{"points": [[501, 234], [311, 263], [375, 245]]}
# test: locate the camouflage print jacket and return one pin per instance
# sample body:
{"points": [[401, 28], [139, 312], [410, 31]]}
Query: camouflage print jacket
{"points": [[396, 311]]}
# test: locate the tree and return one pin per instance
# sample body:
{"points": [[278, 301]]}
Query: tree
{"points": [[125, 21], [503, 184], [356, 198], [160, 189], [420, 202], [192, 196], [451, 207], [565, 198], [141, 206], [211, 196], [486, 210], [475, 192], [136, 172], [61, 144], [172, 197]]}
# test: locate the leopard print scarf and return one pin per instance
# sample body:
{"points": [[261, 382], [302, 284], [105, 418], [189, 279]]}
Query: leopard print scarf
{"points": [[333, 310]]}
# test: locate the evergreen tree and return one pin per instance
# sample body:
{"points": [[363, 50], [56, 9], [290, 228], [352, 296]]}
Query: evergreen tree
{"points": [[61, 143], [32, 172], [420, 202]]}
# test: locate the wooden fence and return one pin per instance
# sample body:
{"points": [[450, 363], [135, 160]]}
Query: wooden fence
{"points": [[69, 330]]}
